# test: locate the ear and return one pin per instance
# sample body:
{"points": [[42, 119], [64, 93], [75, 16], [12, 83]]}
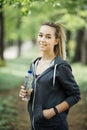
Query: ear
{"points": [[56, 41]]}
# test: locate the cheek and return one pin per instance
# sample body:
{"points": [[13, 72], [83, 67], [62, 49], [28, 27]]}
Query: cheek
{"points": [[50, 45], [52, 42]]}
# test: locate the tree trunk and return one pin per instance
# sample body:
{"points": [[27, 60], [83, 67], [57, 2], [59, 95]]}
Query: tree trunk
{"points": [[19, 36], [68, 35], [19, 46], [84, 48], [1, 32], [79, 44]]}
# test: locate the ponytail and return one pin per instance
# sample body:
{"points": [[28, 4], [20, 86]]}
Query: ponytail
{"points": [[60, 47]]}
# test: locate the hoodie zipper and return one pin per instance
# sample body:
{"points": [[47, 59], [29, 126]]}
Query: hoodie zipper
{"points": [[33, 106], [34, 97], [34, 102]]}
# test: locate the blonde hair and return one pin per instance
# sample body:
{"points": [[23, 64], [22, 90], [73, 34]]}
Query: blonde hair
{"points": [[59, 49]]}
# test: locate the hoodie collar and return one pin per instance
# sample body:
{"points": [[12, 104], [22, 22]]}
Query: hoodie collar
{"points": [[56, 62]]}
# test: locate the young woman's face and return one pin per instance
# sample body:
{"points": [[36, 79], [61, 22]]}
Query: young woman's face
{"points": [[46, 38]]}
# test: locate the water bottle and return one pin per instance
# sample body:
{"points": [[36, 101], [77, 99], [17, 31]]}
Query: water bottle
{"points": [[28, 83]]}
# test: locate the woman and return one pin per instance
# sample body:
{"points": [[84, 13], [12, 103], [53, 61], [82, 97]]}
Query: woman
{"points": [[54, 87]]}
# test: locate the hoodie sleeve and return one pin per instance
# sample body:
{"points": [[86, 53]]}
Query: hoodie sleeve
{"points": [[69, 84]]}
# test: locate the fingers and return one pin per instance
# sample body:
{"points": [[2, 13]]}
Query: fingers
{"points": [[22, 87], [30, 91], [22, 92]]}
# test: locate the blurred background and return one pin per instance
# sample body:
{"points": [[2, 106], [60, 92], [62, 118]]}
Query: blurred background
{"points": [[20, 21]]}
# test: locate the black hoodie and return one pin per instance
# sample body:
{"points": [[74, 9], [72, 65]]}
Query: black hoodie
{"points": [[54, 85]]}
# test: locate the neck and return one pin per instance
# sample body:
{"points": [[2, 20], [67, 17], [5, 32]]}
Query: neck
{"points": [[48, 56]]}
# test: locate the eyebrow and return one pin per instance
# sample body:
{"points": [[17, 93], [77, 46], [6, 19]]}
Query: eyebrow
{"points": [[46, 34]]}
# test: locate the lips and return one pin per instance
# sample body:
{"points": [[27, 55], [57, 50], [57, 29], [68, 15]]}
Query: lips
{"points": [[43, 45]]}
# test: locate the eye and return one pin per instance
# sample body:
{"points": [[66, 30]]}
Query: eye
{"points": [[49, 37], [40, 35]]}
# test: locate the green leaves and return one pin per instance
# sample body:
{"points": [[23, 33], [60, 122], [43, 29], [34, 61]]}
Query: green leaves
{"points": [[34, 12], [72, 6]]}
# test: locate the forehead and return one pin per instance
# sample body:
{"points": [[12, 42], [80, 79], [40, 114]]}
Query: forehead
{"points": [[45, 29]]}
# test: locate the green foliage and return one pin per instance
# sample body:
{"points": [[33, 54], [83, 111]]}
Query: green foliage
{"points": [[7, 113], [10, 23], [2, 63], [34, 12], [72, 21]]}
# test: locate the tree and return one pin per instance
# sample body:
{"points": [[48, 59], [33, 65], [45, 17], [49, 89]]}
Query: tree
{"points": [[1, 31], [79, 42], [84, 47], [19, 37]]}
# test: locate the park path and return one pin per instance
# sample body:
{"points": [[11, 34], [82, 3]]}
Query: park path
{"points": [[77, 117], [12, 51]]}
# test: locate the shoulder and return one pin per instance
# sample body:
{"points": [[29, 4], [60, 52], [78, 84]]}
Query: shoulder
{"points": [[62, 63], [35, 60]]}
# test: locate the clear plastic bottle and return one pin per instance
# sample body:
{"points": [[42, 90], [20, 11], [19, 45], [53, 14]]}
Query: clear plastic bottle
{"points": [[28, 83]]}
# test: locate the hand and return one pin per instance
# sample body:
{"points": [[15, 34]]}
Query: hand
{"points": [[25, 93], [48, 113]]}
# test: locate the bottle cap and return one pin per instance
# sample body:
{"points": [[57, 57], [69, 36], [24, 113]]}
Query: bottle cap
{"points": [[29, 71]]}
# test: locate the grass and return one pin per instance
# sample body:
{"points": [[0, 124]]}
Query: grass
{"points": [[6, 113], [80, 74]]}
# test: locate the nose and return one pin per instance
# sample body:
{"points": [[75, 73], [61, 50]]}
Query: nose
{"points": [[43, 39]]}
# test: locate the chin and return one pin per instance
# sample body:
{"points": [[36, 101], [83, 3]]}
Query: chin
{"points": [[42, 49]]}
